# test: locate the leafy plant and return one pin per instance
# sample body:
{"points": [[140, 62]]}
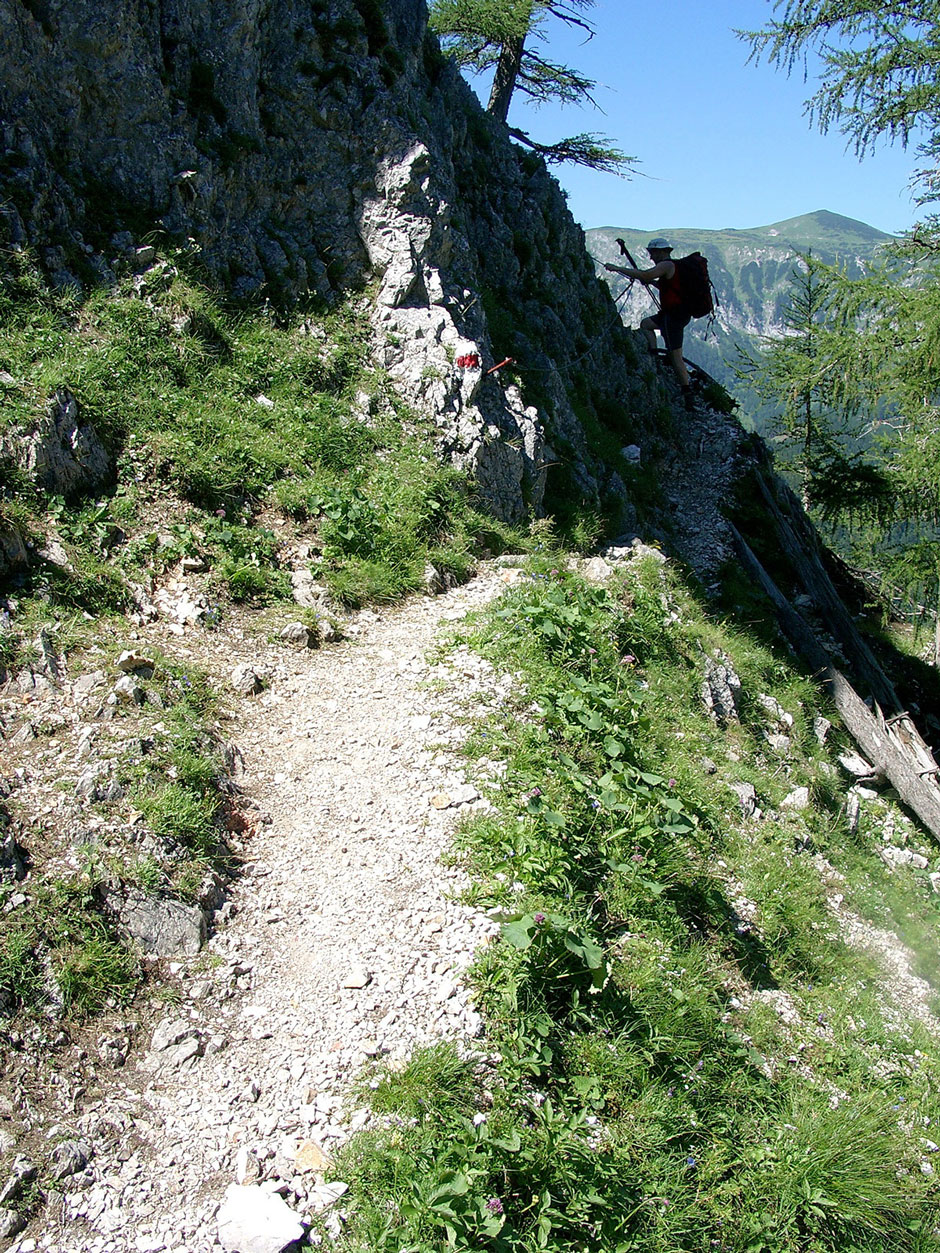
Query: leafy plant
{"points": [[634, 1089]]}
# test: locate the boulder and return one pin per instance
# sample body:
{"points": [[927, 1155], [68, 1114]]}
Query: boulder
{"points": [[163, 928], [255, 1220], [61, 455]]}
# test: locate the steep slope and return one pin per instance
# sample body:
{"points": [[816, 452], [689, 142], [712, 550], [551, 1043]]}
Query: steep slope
{"points": [[661, 825], [751, 270], [314, 153]]}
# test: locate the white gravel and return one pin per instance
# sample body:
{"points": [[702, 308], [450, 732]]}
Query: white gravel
{"points": [[344, 942]]}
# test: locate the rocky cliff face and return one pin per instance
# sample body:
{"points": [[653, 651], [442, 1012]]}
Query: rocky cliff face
{"points": [[312, 148], [321, 148]]}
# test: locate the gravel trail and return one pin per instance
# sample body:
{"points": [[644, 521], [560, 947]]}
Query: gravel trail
{"points": [[343, 941]]}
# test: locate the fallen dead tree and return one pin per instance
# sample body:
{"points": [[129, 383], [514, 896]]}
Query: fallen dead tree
{"points": [[891, 742]]}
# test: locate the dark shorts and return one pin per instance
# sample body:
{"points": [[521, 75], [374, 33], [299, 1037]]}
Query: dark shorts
{"points": [[672, 326]]}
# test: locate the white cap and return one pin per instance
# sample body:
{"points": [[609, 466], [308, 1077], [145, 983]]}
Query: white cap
{"points": [[659, 244]]}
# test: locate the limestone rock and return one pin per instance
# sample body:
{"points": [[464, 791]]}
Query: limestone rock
{"points": [[307, 591], [61, 455], [720, 689], [856, 765], [432, 580], [246, 681], [11, 1223], [596, 569], [175, 1043], [778, 742], [164, 928], [70, 1157], [247, 1166], [255, 1220], [327, 631], [747, 795], [775, 709], [53, 552], [326, 1194], [798, 799], [310, 1157], [131, 662], [821, 728], [299, 633], [127, 692]]}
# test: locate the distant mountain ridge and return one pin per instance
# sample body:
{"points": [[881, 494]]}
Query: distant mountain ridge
{"points": [[751, 270]]}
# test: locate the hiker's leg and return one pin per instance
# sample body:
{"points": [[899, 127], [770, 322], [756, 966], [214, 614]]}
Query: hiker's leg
{"points": [[673, 334], [648, 327], [678, 364]]}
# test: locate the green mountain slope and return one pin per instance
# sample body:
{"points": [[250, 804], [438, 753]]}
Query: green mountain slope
{"points": [[750, 269]]}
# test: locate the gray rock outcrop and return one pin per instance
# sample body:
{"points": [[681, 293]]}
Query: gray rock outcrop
{"points": [[164, 928], [61, 454], [314, 150]]}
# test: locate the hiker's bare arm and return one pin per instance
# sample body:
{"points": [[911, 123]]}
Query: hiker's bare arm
{"points": [[665, 269]]}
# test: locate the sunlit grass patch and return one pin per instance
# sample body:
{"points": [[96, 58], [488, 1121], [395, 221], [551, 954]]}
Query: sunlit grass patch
{"points": [[681, 1052]]}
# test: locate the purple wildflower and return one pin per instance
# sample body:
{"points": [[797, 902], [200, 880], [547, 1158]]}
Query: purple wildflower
{"points": [[538, 919], [494, 1205]]}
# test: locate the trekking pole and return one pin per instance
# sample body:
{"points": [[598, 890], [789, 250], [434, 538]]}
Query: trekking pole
{"points": [[626, 252]]}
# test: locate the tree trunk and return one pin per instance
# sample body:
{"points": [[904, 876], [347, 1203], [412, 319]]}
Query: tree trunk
{"points": [[797, 539], [504, 83], [893, 747], [807, 451]]}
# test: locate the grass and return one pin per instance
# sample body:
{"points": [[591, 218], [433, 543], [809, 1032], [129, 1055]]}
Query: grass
{"points": [[238, 413], [60, 948], [681, 1054]]}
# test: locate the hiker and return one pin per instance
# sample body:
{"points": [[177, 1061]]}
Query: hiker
{"points": [[672, 318]]}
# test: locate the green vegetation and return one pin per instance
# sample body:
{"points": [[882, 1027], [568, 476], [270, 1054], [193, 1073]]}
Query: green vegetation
{"points": [[680, 1052], [799, 371], [878, 80], [60, 949], [243, 417], [498, 36]]}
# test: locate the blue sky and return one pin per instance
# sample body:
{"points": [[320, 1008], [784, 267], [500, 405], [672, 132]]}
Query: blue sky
{"points": [[720, 142]]}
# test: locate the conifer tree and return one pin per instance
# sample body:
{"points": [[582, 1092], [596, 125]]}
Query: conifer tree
{"points": [[500, 36], [800, 371], [880, 66], [881, 80]]}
